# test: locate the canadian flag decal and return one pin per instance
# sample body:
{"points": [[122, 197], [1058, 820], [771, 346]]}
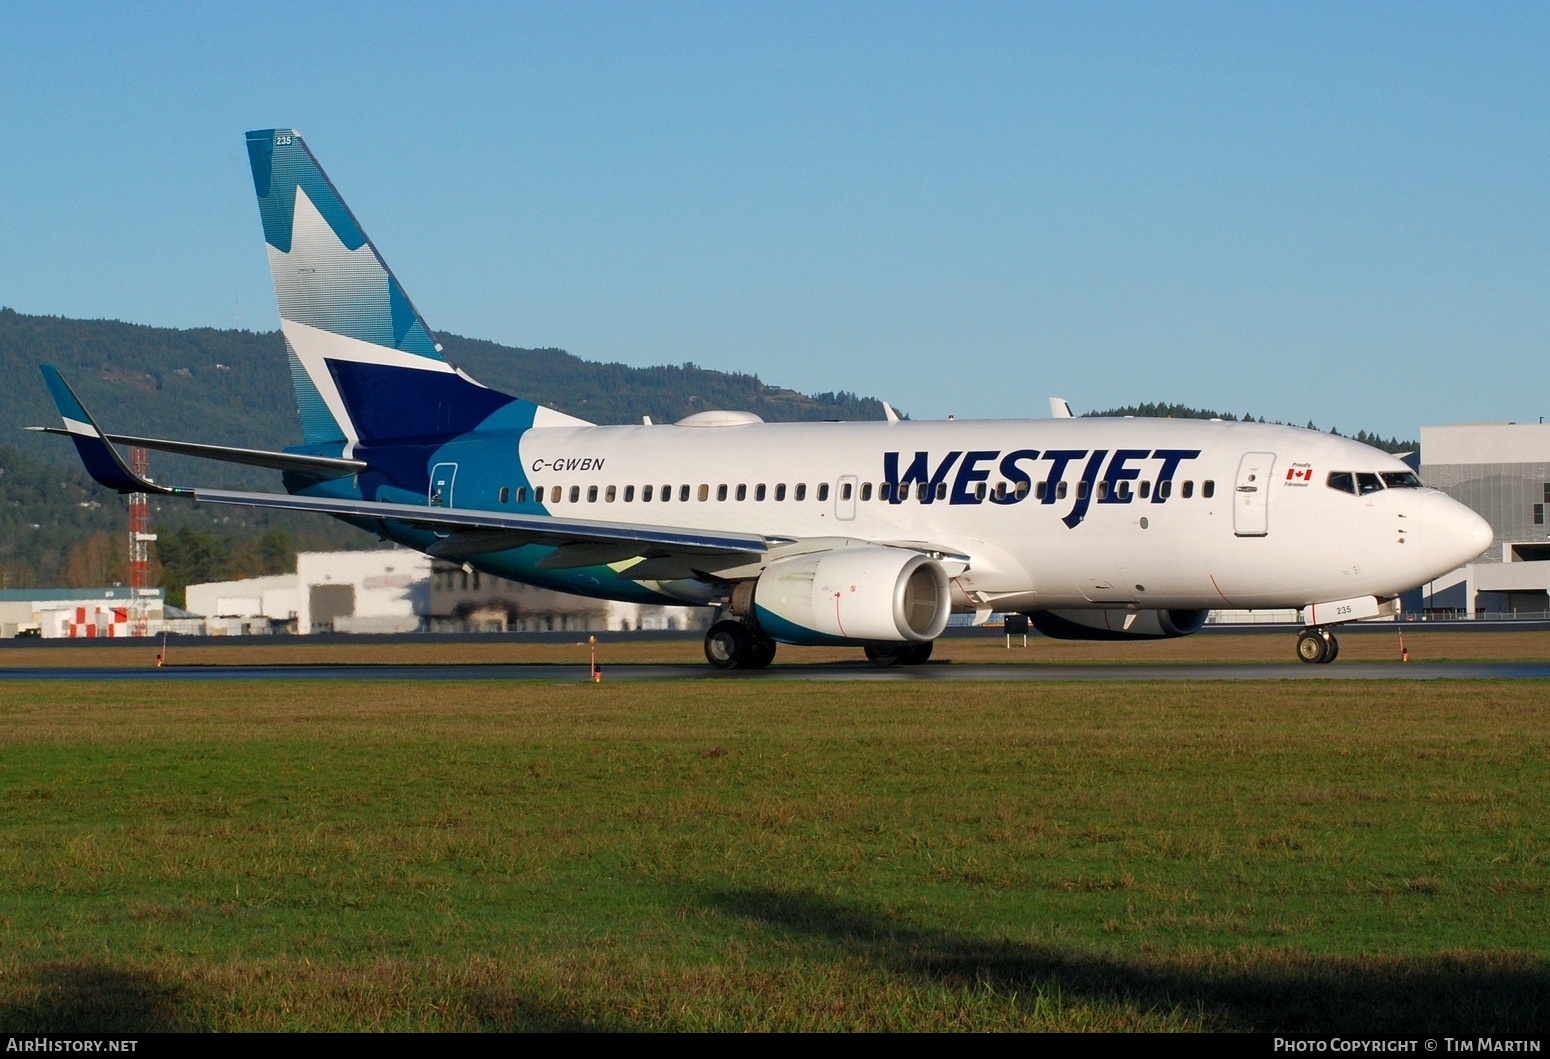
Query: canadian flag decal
{"points": [[1295, 474]]}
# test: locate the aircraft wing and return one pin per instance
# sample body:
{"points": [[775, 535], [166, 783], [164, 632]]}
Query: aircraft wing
{"points": [[579, 542]]}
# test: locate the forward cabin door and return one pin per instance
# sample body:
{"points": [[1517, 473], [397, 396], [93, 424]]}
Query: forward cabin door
{"points": [[1251, 495], [845, 498]]}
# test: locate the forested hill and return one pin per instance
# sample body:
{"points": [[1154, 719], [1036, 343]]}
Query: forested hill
{"points": [[1177, 411], [234, 387]]}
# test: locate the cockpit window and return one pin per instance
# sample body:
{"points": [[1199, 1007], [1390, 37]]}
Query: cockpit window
{"points": [[1401, 480], [1344, 481], [1367, 483]]}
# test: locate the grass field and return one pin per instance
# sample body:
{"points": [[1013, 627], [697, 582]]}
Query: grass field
{"points": [[1367, 645], [1339, 857]]}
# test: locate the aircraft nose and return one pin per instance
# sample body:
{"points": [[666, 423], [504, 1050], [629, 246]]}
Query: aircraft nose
{"points": [[1456, 533]]}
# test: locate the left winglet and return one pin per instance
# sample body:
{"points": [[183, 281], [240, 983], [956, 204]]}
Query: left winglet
{"points": [[98, 454]]}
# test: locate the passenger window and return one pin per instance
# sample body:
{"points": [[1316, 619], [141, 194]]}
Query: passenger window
{"points": [[1021, 490], [742, 492], [1038, 491], [683, 494], [1145, 491], [823, 491], [575, 494], [941, 490], [591, 494], [1208, 489], [1344, 481], [1367, 483], [780, 491], [866, 491], [505, 493], [1082, 490], [521, 494], [629, 493], [758, 491], [979, 491], [921, 492], [845, 491], [1060, 491], [1400, 479], [885, 492], [1103, 490], [721, 492], [1188, 490], [801, 493], [667, 493], [609, 495], [1000, 493], [645, 494]]}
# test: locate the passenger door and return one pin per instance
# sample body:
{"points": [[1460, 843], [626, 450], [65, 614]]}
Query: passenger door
{"points": [[443, 478], [1251, 495]]}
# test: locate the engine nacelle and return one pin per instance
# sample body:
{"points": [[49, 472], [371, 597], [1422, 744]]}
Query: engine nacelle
{"points": [[853, 595], [1100, 624]]}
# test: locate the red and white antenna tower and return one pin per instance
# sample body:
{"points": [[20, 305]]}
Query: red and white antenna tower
{"points": [[139, 552]]}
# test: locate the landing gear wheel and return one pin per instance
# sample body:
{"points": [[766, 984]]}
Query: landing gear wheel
{"points": [[761, 652], [885, 654], [727, 645], [1313, 646], [1334, 648], [898, 654]]}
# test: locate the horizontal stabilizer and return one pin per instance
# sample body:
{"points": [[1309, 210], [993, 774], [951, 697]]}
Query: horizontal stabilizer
{"points": [[323, 466]]}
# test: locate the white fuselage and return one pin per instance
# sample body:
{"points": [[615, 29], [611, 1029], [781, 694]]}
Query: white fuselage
{"points": [[1247, 517]]}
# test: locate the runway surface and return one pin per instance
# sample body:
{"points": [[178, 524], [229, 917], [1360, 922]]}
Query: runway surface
{"points": [[833, 672]]}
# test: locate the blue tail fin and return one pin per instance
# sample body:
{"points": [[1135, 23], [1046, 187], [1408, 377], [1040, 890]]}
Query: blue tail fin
{"points": [[364, 364]]}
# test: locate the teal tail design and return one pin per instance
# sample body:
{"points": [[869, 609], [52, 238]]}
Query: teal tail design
{"points": [[365, 366]]}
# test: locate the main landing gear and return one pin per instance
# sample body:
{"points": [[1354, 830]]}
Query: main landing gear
{"points": [[733, 645], [1317, 645], [903, 654]]}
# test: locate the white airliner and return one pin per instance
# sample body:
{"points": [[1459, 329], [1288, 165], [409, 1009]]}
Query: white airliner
{"points": [[869, 534]]}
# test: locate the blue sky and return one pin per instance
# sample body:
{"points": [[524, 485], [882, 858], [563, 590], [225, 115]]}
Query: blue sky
{"points": [[1330, 212]]}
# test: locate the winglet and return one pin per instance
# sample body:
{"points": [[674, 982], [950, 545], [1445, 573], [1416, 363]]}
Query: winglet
{"points": [[98, 454], [1059, 408], [889, 413]]}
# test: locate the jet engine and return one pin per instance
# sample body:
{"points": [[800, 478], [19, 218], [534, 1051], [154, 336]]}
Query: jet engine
{"points": [[853, 595], [1099, 624]]}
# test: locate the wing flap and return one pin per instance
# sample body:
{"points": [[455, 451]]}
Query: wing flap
{"points": [[544, 529]]}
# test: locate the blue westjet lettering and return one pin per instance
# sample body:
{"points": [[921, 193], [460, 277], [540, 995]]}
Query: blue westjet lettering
{"points": [[1105, 477]]}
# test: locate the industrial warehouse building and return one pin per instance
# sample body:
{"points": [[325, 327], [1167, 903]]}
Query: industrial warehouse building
{"points": [[365, 592], [1501, 471], [79, 613], [398, 590]]}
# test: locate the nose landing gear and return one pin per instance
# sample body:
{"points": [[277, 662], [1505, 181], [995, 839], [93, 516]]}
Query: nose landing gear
{"points": [[1317, 645]]}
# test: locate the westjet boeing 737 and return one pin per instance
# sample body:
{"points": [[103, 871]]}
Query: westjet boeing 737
{"points": [[867, 534]]}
